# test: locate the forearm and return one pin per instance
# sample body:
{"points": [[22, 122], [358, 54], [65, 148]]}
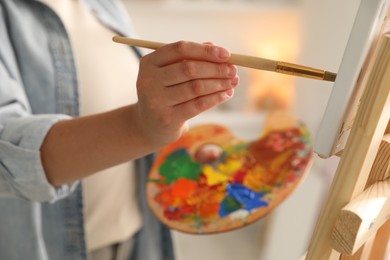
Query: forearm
{"points": [[76, 148]]}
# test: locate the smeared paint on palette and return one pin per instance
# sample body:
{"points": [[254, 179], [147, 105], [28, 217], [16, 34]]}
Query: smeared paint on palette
{"points": [[241, 181]]}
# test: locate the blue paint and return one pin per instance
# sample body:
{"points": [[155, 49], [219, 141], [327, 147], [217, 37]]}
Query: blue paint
{"points": [[241, 197]]}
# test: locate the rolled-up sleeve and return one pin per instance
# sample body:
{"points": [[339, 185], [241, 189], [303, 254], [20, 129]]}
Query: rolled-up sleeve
{"points": [[21, 136]]}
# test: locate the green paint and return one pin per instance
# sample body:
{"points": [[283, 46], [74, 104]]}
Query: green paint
{"points": [[155, 180], [179, 164], [229, 205]]}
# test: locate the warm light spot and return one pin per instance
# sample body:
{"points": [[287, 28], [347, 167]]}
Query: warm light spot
{"points": [[270, 90]]}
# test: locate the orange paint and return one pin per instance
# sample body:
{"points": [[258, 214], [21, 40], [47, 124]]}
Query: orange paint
{"points": [[183, 188], [208, 210], [165, 198]]}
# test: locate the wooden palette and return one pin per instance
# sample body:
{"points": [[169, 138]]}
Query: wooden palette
{"points": [[210, 181]]}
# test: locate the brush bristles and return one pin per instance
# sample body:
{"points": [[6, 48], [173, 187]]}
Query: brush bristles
{"points": [[330, 76]]}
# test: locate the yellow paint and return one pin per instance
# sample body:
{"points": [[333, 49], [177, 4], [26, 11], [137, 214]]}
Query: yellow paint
{"points": [[281, 162], [230, 167], [256, 178], [214, 177]]}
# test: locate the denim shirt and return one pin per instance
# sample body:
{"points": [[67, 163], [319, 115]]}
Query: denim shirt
{"points": [[38, 87]]}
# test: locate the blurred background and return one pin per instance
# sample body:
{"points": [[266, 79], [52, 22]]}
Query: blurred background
{"points": [[308, 32]]}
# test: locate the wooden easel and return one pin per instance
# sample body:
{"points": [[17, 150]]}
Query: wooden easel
{"points": [[355, 221]]}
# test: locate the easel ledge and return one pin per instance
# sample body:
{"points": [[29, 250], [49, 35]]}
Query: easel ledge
{"points": [[361, 218]]}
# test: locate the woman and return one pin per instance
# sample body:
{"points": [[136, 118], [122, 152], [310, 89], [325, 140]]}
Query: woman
{"points": [[68, 113]]}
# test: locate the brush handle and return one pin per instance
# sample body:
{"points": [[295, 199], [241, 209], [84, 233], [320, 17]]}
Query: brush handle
{"points": [[138, 42], [247, 61], [237, 59]]}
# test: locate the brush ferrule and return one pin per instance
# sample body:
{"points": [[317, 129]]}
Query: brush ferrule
{"points": [[304, 71]]}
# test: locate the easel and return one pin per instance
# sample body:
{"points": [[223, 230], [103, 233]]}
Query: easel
{"points": [[355, 221]]}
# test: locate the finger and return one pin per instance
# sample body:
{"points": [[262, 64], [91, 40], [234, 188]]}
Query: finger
{"points": [[187, 70], [183, 50], [196, 106], [196, 88]]}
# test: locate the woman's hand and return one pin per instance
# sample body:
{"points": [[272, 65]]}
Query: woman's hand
{"points": [[176, 83]]}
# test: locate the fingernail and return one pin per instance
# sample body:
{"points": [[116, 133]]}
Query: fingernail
{"points": [[223, 53], [234, 81], [228, 93], [232, 70]]}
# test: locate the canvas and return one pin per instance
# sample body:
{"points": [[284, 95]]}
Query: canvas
{"points": [[370, 21]]}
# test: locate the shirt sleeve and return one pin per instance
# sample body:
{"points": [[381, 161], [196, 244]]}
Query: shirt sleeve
{"points": [[21, 136]]}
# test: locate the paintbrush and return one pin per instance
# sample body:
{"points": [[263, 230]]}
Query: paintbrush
{"points": [[248, 61]]}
